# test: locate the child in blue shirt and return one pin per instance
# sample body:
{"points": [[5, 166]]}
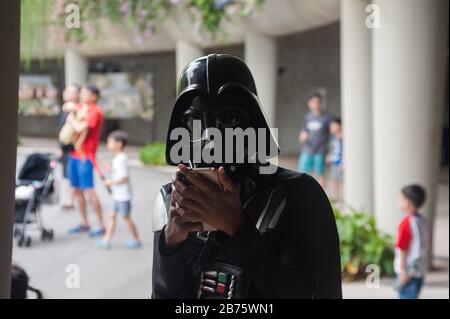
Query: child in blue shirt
{"points": [[334, 158]]}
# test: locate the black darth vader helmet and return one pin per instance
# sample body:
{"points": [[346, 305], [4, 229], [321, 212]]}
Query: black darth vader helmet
{"points": [[218, 91]]}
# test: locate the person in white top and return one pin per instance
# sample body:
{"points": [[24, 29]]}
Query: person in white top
{"points": [[120, 191]]}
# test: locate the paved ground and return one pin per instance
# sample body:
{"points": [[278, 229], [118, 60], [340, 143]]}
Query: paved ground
{"points": [[120, 273]]}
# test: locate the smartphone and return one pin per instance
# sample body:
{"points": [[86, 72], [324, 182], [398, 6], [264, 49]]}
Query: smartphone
{"points": [[211, 174]]}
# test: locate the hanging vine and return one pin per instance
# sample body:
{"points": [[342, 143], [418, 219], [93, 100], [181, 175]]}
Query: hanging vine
{"points": [[145, 15]]}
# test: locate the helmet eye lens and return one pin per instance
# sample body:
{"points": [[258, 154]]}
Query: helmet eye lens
{"points": [[231, 118], [194, 123]]}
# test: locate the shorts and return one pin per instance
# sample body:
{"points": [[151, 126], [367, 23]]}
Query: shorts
{"points": [[81, 173], [122, 207], [309, 162], [411, 289], [336, 173]]}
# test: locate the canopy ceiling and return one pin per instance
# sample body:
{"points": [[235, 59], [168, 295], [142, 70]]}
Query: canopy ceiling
{"points": [[275, 18]]}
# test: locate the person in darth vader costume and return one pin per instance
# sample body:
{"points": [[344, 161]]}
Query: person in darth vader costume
{"points": [[274, 234]]}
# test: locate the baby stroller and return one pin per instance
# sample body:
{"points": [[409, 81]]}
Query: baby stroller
{"points": [[34, 184]]}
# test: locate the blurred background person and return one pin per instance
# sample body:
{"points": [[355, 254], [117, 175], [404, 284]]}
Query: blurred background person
{"points": [[71, 102], [121, 192], [334, 159], [314, 138], [82, 159], [412, 244]]}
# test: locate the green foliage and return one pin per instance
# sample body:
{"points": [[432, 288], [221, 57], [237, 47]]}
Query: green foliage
{"points": [[144, 15], [153, 154], [141, 15], [361, 244], [34, 16], [211, 16]]}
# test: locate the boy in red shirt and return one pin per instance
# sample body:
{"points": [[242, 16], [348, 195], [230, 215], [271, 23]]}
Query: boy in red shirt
{"points": [[412, 244], [82, 159]]}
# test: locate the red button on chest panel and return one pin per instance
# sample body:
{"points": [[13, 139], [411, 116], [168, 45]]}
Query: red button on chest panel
{"points": [[221, 288]]}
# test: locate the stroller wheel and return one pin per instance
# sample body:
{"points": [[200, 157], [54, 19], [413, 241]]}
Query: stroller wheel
{"points": [[20, 241], [24, 241], [28, 241], [47, 234]]}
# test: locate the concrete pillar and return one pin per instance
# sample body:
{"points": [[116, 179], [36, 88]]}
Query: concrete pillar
{"points": [[261, 58], [185, 54], [356, 105], [9, 88], [409, 61], [76, 67]]}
